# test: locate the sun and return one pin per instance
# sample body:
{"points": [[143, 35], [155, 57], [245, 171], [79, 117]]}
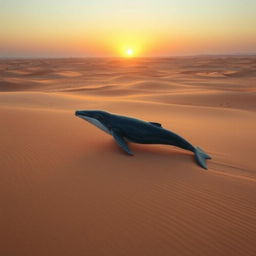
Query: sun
{"points": [[129, 52]]}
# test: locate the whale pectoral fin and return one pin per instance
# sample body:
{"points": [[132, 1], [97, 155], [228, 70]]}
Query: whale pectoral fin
{"points": [[156, 124], [122, 143]]}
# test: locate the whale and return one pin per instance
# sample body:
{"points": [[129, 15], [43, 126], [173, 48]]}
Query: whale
{"points": [[126, 129]]}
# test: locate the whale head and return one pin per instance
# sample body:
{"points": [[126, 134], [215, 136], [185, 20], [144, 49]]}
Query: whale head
{"points": [[96, 117]]}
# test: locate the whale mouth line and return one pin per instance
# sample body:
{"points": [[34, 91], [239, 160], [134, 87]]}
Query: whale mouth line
{"points": [[93, 121], [80, 114]]}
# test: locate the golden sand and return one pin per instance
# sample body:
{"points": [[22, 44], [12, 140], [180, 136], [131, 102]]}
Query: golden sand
{"points": [[67, 189]]}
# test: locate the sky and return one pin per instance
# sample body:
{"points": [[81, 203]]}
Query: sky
{"points": [[101, 28]]}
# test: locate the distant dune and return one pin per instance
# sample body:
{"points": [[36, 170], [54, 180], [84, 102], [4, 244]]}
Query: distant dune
{"points": [[67, 189]]}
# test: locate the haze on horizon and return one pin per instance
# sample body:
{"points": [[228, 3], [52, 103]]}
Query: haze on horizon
{"points": [[94, 28]]}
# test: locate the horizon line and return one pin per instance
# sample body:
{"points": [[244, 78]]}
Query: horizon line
{"points": [[120, 57]]}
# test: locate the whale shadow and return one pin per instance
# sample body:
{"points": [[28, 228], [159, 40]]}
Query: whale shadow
{"points": [[146, 150]]}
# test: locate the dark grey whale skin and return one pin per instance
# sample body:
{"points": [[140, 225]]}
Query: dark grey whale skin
{"points": [[124, 128]]}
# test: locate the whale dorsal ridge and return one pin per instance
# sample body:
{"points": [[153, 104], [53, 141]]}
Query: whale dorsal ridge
{"points": [[156, 124]]}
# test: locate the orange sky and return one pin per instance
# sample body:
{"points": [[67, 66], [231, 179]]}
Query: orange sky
{"points": [[108, 28]]}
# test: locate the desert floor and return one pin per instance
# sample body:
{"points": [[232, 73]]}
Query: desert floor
{"points": [[67, 189]]}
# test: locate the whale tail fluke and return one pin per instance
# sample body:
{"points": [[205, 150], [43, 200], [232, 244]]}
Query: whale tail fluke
{"points": [[201, 157]]}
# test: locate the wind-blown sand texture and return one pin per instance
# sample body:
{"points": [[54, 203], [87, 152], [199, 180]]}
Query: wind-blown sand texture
{"points": [[67, 189]]}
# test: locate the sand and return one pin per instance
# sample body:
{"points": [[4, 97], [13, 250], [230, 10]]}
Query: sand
{"points": [[67, 189]]}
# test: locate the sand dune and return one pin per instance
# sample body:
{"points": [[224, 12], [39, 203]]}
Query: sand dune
{"points": [[208, 98], [67, 189]]}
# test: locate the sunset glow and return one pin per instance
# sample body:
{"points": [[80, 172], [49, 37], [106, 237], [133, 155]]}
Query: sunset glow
{"points": [[126, 28]]}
